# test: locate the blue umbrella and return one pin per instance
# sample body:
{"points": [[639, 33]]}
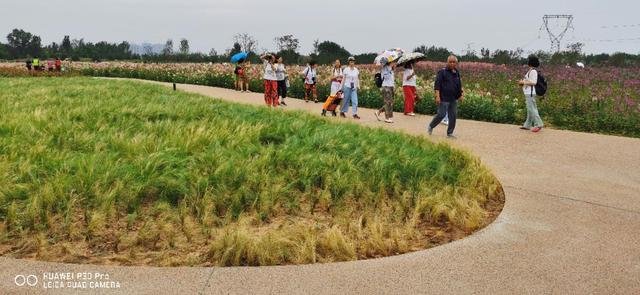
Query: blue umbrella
{"points": [[238, 56]]}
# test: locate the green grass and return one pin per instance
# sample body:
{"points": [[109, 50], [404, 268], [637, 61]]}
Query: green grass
{"points": [[123, 172]]}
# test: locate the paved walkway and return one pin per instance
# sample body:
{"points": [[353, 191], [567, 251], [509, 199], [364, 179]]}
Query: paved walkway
{"points": [[570, 225]]}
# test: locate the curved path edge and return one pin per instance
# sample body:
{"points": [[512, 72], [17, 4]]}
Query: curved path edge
{"points": [[570, 225]]}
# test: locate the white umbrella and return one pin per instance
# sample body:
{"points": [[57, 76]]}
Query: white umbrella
{"points": [[414, 56], [388, 56]]}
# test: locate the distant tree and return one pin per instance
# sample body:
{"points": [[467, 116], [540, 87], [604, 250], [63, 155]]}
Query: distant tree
{"points": [[507, 56], [288, 48], [485, 53], [287, 43], [329, 51], [65, 47], [237, 48], [4, 52], [168, 47], [316, 45], [213, 52], [22, 44], [247, 43], [148, 50], [433, 53], [184, 46], [365, 58]]}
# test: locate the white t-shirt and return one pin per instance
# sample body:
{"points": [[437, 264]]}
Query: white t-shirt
{"points": [[280, 72], [269, 73], [531, 76], [388, 79], [309, 74], [408, 82], [338, 74], [351, 76]]}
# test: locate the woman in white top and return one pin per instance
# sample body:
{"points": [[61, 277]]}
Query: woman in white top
{"points": [[529, 88], [350, 85], [388, 87], [281, 75], [270, 81], [336, 77], [409, 89]]}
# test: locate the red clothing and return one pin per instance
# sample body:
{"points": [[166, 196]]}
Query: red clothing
{"points": [[271, 92], [409, 98]]}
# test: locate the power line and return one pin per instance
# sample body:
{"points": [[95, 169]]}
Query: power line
{"points": [[620, 26]]}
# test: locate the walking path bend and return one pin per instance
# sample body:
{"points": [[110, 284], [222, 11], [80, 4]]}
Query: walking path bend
{"points": [[570, 225]]}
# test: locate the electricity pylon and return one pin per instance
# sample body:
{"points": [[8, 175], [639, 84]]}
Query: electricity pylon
{"points": [[556, 37]]}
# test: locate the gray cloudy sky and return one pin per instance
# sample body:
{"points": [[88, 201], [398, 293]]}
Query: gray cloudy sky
{"points": [[360, 26]]}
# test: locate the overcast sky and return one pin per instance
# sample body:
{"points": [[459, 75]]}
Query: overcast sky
{"points": [[360, 26]]}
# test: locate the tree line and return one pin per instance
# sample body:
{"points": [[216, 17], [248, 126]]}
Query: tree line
{"points": [[22, 45]]}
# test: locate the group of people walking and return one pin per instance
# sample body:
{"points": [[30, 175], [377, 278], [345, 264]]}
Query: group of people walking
{"points": [[345, 82]]}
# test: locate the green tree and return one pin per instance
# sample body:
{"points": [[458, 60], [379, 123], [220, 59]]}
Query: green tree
{"points": [[65, 47], [329, 51], [184, 46], [4, 52], [168, 48], [288, 48], [433, 53], [22, 44]]}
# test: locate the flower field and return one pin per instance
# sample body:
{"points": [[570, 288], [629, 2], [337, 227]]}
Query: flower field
{"points": [[603, 100]]}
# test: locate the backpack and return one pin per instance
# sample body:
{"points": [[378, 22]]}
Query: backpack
{"points": [[541, 85], [378, 78]]}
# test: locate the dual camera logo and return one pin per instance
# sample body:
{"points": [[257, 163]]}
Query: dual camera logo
{"points": [[26, 280]]}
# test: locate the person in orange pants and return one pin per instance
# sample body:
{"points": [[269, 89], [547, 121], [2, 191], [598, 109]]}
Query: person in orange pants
{"points": [[270, 81]]}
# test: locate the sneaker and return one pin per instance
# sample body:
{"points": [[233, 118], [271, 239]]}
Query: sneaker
{"points": [[315, 101], [536, 129], [429, 129], [377, 115], [445, 123], [356, 117], [451, 136], [389, 120], [524, 128], [342, 115], [282, 103]]}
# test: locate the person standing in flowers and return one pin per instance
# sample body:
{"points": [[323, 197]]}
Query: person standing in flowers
{"points": [[281, 74], [270, 80], [310, 79], [529, 87], [236, 73], [58, 64], [350, 85], [449, 92], [409, 85], [336, 77], [388, 88], [244, 76]]}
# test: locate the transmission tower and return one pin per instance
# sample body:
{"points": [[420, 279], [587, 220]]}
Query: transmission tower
{"points": [[565, 21]]}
